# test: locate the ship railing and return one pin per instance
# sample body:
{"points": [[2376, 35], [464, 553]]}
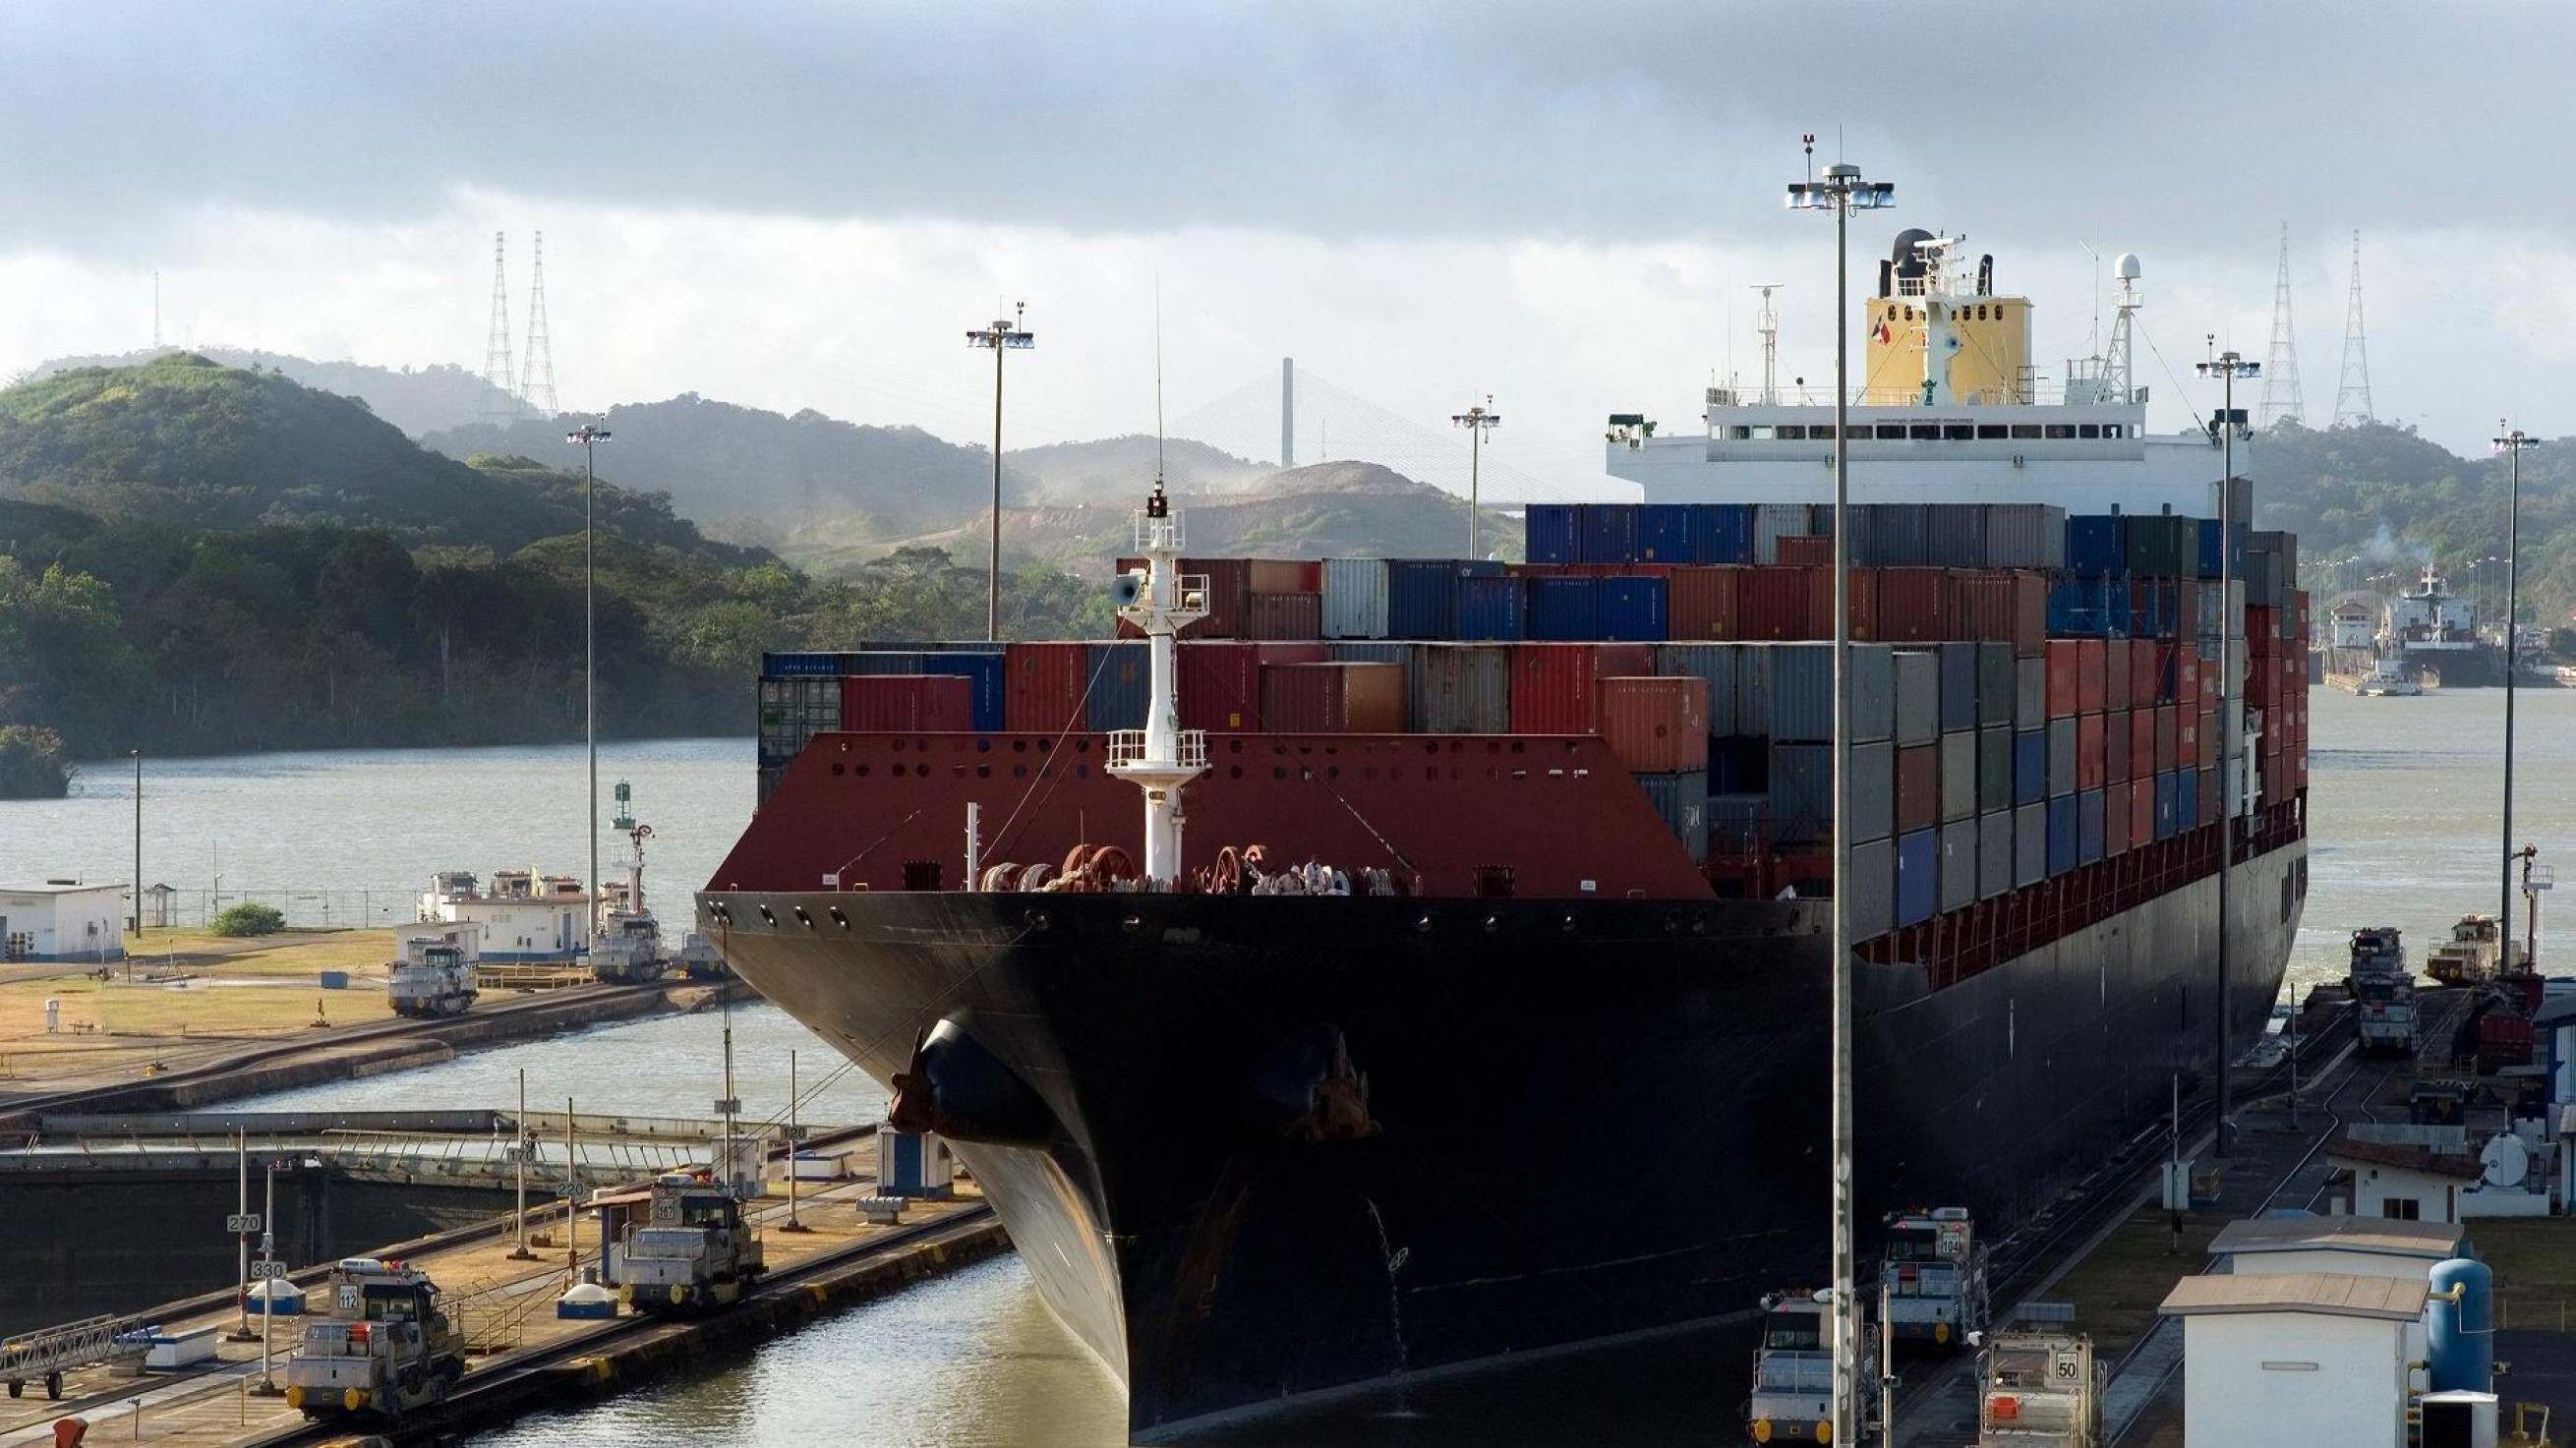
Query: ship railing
{"points": [[1151, 532], [1127, 748]]}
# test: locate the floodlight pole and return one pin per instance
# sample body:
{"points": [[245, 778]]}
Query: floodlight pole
{"points": [[2227, 367], [590, 436], [1005, 334], [1841, 192], [1478, 421], [2511, 444]]}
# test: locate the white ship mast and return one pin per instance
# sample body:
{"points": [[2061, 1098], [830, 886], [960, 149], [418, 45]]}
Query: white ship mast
{"points": [[1162, 757]]}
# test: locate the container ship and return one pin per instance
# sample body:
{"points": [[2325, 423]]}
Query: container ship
{"points": [[1380, 967]]}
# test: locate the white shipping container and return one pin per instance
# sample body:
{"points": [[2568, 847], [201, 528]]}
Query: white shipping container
{"points": [[1994, 854], [1959, 864], [1873, 888], [2030, 844], [1355, 598], [1959, 775]]}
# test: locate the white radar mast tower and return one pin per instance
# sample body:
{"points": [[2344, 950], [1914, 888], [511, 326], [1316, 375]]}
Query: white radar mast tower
{"points": [[1161, 757], [2118, 375]]}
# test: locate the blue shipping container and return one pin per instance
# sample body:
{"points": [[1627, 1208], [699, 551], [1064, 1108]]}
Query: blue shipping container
{"points": [[1725, 532], [2062, 834], [2088, 826], [1550, 534], [1682, 800], [2208, 559], [1802, 793], [1421, 598], [1609, 532], [2030, 766], [1918, 876], [799, 665], [1488, 607], [2165, 818], [1958, 685], [1563, 610], [2094, 546], [1119, 683], [1633, 610], [2187, 800], [985, 671], [1667, 533]]}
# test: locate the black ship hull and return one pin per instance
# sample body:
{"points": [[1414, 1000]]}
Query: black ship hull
{"points": [[1259, 1148]]}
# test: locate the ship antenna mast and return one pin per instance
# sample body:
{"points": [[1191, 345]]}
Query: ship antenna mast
{"points": [[1768, 324], [2119, 377], [1162, 757]]}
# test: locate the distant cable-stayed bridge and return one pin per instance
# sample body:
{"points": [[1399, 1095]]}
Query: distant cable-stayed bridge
{"points": [[1335, 424]]}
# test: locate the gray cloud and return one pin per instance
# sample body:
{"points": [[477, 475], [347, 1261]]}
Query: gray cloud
{"points": [[1654, 120]]}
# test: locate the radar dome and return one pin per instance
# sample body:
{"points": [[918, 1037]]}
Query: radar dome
{"points": [[2128, 266]]}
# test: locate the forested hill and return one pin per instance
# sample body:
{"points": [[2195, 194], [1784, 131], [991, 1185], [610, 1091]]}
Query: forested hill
{"points": [[2375, 502], [414, 399]]}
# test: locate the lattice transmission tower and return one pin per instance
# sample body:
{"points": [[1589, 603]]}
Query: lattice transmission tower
{"points": [[500, 380], [2282, 400], [538, 376], [2352, 395]]}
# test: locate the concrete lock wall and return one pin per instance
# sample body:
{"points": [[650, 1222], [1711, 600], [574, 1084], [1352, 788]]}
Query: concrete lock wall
{"points": [[98, 1241]]}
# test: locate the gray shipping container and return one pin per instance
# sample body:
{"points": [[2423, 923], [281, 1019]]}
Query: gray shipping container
{"points": [[1786, 690], [2061, 757], [1460, 688], [1918, 695], [1720, 665], [1956, 535], [1997, 681], [1959, 865], [2030, 845], [1802, 793], [1774, 521], [1355, 598], [1682, 800], [1994, 768], [1899, 535], [1735, 821], [1958, 775], [2025, 535], [1873, 889], [2030, 693], [1873, 691], [1994, 854], [1368, 651], [1958, 686], [1873, 790]]}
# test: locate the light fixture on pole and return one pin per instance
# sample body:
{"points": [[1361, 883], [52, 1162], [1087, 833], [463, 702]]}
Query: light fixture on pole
{"points": [[138, 843], [2229, 424], [1478, 421], [2512, 444], [590, 436], [1004, 335], [1842, 192]]}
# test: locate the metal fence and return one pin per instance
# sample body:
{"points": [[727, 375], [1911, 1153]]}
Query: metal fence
{"points": [[376, 905]]}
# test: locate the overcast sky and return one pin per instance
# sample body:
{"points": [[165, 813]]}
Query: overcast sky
{"points": [[805, 206]]}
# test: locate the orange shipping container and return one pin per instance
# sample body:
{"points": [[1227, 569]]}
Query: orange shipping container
{"points": [[1555, 686], [1656, 724], [902, 703], [2092, 658], [1043, 685], [1284, 575], [2065, 661]]}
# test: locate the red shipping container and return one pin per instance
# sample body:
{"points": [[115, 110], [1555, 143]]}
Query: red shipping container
{"points": [[1705, 603], [2091, 682], [2142, 810], [1312, 652], [2065, 661], [2209, 797], [1918, 787], [2142, 742], [1555, 686], [2201, 734], [2116, 673], [2208, 680], [1982, 605], [2299, 769], [2088, 751], [1220, 686], [1779, 604], [2173, 737], [2186, 686], [1282, 616], [2115, 817], [1656, 725], [2147, 670], [1283, 575], [1043, 686], [2262, 627], [1914, 605], [1862, 589], [2030, 614], [2115, 747], [1805, 550], [904, 703], [1339, 698]]}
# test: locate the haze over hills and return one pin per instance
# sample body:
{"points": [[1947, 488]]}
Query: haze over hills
{"points": [[414, 399]]}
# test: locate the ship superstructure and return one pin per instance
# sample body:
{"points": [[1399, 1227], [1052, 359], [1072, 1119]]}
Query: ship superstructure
{"points": [[1243, 959], [2431, 633]]}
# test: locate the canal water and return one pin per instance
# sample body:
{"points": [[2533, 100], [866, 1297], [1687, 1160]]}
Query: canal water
{"points": [[2403, 799]]}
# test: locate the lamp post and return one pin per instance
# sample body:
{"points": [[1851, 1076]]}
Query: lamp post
{"points": [[138, 844], [1478, 421], [2512, 445], [590, 436], [1004, 335], [2227, 367], [1842, 192]]}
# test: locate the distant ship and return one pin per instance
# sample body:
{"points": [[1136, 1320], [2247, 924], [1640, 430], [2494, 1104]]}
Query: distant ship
{"points": [[2431, 635]]}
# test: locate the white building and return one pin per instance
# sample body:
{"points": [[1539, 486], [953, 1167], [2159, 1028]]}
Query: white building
{"points": [[2404, 1183], [2352, 624], [525, 916], [2352, 1246], [62, 920], [2295, 1359]]}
